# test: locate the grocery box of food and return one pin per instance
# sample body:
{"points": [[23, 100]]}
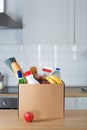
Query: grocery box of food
{"points": [[46, 101]]}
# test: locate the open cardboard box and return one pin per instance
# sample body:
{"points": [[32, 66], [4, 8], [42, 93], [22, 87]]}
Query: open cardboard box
{"points": [[46, 101]]}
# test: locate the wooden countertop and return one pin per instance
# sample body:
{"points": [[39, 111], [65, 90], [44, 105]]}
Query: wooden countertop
{"points": [[69, 92], [74, 92], [76, 120]]}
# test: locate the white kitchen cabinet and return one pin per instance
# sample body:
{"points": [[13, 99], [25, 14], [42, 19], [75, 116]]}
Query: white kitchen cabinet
{"points": [[48, 21], [81, 21], [81, 103], [75, 103], [55, 22], [70, 103]]}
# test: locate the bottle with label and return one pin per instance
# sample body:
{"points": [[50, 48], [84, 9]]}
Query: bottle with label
{"points": [[57, 72], [30, 78], [21, 79]]}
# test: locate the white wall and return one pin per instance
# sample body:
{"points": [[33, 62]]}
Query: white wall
{"points": [[42, 52]]}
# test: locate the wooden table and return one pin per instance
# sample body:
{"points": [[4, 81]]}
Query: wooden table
{"points": [[74, 120]]}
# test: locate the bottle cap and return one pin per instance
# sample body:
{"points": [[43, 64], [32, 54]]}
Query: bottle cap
{"points": [[57, 68], [27, 73], [19, 74]]}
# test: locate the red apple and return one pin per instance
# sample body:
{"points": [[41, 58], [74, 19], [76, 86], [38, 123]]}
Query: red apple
{"points": [[28, 116]]}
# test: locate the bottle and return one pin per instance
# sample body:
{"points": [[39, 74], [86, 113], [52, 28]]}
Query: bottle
{"points": [[29, 77], [21, 79], [57, 72]]}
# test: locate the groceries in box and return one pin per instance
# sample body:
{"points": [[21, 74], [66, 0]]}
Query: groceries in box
{"points": [[42, 94], [32, 76]]}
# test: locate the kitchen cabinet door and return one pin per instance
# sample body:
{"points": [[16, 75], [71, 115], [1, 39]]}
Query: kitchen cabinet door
{"points": [[49, 21], [81, 103], [75, 103], [81, 21], [70, 103]]}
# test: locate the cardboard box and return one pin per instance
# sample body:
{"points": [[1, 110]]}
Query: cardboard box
{"points": [[46, 101]]}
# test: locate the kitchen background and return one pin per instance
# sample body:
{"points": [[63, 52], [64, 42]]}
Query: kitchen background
{"points": [[54, 34]]}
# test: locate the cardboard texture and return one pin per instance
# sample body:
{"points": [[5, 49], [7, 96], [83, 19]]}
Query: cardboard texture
{"points": [[46, 101]]}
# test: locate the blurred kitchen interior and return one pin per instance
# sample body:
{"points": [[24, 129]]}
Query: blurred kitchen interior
{"points": [[54, 34]]}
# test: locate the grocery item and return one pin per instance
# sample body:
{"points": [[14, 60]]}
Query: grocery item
{"points": [[53, 79], [50, 80], [28, 116], [56, 78], [21, 79], [30, 78], [57, 72], [33, 70], [46, 70], [9, 61], [39, 78], [45, 81], [16, 67]]}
